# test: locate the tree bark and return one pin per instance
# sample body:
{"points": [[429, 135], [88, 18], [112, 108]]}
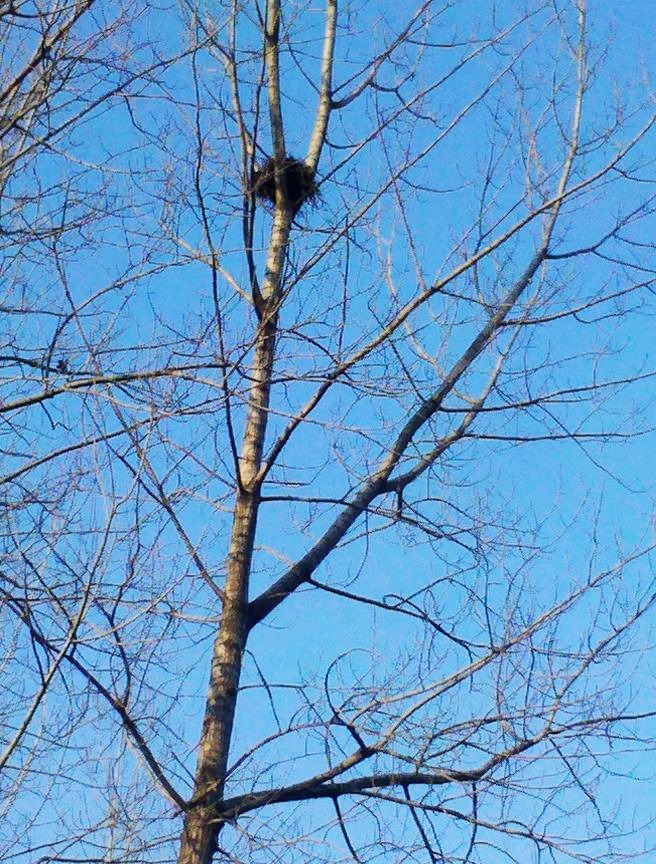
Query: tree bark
{"points": [[201, 829]]}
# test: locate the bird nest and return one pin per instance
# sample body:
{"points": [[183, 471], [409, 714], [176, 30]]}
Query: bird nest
{"points": [[301, 186]]}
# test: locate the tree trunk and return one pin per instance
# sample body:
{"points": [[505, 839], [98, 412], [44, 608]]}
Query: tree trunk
{"points": [[199, 834], [201, 830]]}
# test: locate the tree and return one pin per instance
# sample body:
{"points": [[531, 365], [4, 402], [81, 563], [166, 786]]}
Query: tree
{"points": [[297, 303]]}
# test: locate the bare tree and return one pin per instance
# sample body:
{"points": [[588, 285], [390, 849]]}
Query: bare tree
{"points": [[297, 303]]}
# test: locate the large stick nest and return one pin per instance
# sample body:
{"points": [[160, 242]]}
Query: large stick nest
{"points": [[301, 186]]}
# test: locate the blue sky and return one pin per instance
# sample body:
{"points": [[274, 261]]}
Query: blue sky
{"points": [[583, 504]]}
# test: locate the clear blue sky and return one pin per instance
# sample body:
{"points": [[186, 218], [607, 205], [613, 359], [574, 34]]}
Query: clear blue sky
{"points": [[585, 504]]}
